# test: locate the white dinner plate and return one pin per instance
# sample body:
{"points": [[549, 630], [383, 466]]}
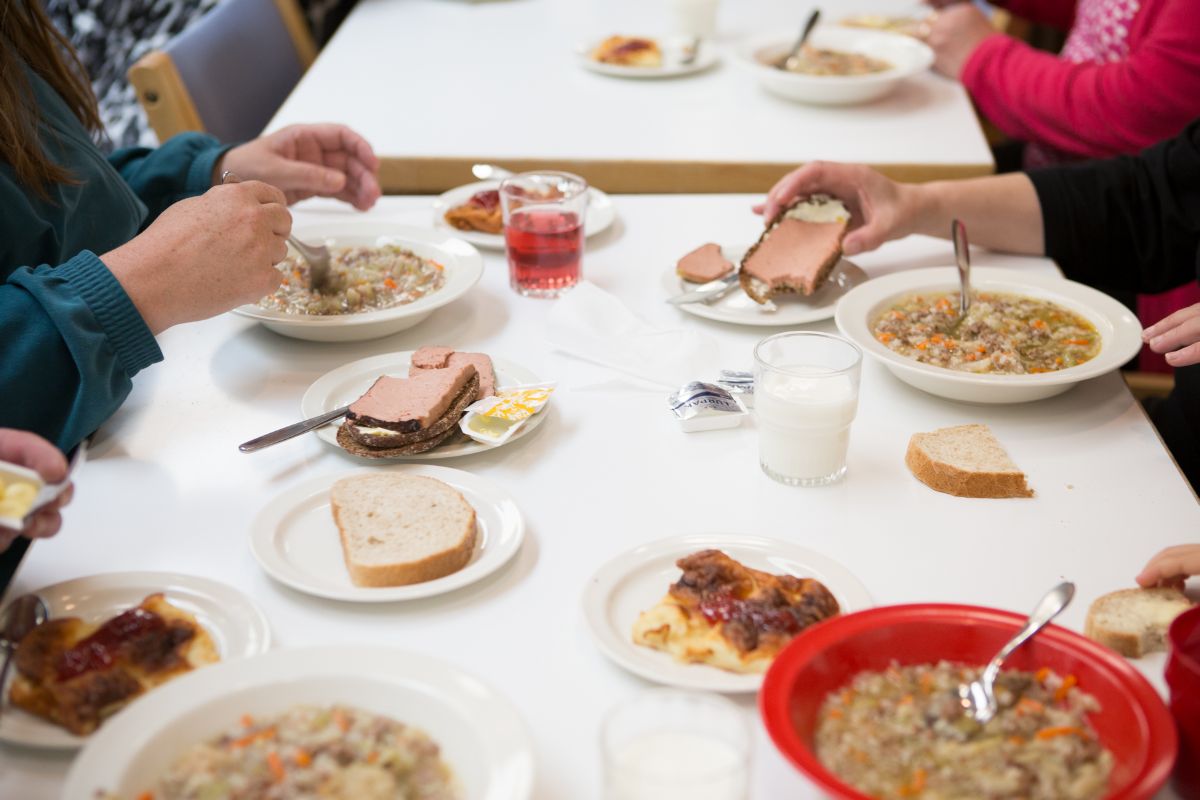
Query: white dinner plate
{"points": [[462, 263], [674, 51], [237, 627], [1120, 331], [349, 382], [635, 581], [296, 541], [600, 214], [479, 732], [791, 309]]}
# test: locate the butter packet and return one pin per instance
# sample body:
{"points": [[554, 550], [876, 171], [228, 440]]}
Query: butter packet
{"points": [[494, 420], [699, 406], [22, 490]]}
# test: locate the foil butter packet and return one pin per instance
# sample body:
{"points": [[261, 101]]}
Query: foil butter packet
{"points": [[702, 406], [495, 419], [740, 383]]}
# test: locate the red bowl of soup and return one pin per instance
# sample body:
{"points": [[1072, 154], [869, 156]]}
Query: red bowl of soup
{"points": [[1132, 721]]}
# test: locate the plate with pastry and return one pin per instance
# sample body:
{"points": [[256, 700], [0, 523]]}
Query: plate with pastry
{"points": [[410, 405], [646, 57], [378, 536], [711, 611], [473, 213], [111, 638], [793, 274]]}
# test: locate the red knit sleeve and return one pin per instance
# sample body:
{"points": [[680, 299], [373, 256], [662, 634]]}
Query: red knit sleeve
{"points": [[1092, 110], [1058, 13]]}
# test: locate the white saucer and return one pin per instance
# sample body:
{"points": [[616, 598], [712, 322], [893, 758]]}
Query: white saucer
{"points": [[674, 50], [237, 627], [348, 382], [791, 309], [480, 734], [635, 581], [296, 541], [600, 214]]}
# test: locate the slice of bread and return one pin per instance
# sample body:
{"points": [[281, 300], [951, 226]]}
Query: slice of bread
{"points": [[398, 529], [1134, 621], [965, 461]]}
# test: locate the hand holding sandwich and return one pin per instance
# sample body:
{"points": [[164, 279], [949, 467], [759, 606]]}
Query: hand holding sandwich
{"points": [[1001, 212]]}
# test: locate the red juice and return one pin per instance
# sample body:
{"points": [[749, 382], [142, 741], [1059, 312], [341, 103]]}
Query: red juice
{"points": [[544, 250]]}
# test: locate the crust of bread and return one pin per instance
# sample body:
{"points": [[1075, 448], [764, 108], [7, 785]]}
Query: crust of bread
{"points": [[380, 445], [434, 566], [949, 479], [1130, 645], [762, 292]]}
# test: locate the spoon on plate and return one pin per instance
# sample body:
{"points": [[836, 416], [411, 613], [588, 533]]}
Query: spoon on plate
{"points": [[16, 620], [792, 60], [317, 256], [978, 698]]}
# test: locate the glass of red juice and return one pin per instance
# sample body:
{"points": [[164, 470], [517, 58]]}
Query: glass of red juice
{"points": [[544, 215]]}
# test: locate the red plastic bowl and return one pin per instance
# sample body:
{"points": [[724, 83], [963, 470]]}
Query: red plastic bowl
{"points": [[1133, 722]]}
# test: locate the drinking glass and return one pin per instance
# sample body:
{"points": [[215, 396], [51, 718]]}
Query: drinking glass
{"points": [[544, 215], [695, 17], [666, 744], [805, 397]]}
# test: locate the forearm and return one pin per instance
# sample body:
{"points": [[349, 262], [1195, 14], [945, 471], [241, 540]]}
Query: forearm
{"points": [[1000, 212]]}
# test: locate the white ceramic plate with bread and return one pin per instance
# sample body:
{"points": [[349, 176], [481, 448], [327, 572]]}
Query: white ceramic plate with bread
{"points": [[790, 309], [1120, 332], [601, 213], [236, 625], [348, 382], [297, 542], [462, 263], [678, 60], [480, 734], [635, 581]]}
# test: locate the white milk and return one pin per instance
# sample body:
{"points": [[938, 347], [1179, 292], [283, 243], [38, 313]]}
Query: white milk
{"points": [[676, 766], [804, 423], [695, 17]]}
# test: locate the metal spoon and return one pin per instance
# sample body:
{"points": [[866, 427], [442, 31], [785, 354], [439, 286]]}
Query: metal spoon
{"points": [[792, 60], [962, 257], [490, 172], [978, 698], [18, 618], [691, 51], [317, 256]]}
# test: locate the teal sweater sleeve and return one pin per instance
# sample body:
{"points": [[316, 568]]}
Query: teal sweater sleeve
{"points": [[180, 168]]}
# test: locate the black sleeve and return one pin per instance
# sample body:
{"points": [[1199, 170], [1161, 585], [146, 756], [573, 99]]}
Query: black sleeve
{"points": [[1130, 223]]}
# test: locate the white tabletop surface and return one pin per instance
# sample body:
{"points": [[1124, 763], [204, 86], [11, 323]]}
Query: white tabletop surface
{"points": [[166, 489], [501, 80]]}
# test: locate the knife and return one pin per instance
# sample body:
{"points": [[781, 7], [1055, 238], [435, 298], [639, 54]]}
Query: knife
{"points": [[707, 292], [291, 431]]}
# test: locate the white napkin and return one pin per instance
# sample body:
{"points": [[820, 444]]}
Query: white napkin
{"points": [[589, 323]]}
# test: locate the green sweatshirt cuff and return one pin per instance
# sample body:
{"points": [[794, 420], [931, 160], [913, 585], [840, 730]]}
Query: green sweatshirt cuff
{"points": [[200, 173], [128, 333]]}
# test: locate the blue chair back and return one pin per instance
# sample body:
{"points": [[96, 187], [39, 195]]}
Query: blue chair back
{"points": [[239, 63]]}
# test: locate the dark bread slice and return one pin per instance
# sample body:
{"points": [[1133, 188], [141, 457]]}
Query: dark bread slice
{"points": [[759, 291], [350, 434], [357, 448]]}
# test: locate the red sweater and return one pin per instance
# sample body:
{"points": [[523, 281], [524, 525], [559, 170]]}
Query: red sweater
{"points": [[1129, 75]]}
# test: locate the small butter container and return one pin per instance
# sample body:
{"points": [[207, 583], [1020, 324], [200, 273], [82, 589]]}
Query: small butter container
{"points": [[496, 419], [699, 406], [738, 383], [21, 491]]}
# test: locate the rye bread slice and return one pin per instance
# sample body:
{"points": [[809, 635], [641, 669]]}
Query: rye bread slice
{"points": [[759, 290], [383, 445]]}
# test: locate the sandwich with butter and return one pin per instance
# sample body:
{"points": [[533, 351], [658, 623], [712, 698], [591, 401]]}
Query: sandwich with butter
{"points": [[797, 251]]}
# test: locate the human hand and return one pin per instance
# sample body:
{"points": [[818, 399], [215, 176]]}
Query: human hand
{"points": [[880, 209], [954, 33], [323, 160], [205, 255], [1178, 336], [32, 451], [1172, 566]]}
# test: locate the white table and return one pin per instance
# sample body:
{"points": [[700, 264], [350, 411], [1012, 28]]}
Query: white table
{"points": [[166, 489], [438, 85]]}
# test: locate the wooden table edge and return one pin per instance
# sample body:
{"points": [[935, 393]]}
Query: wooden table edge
{"points": [[423, 175]]}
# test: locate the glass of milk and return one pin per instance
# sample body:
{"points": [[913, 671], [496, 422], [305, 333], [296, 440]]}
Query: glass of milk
{"points": [[805, 397], [694, 17], [665, 744]]}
